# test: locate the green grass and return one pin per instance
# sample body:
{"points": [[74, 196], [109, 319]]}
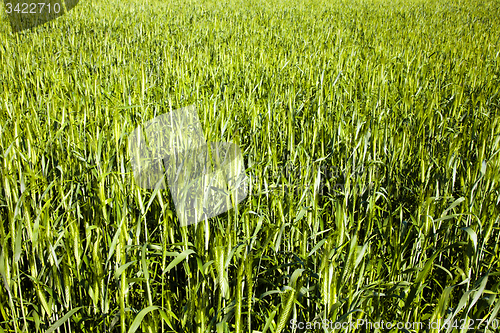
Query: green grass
{"points": [[371, 130]]}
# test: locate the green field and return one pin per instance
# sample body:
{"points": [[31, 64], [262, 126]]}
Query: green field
{"points": [[370, 130]]}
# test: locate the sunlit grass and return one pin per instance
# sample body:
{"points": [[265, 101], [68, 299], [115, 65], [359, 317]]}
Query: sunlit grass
{"points": [[370, 130]]}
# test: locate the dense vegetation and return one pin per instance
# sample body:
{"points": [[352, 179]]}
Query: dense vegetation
{"points": [[371, 131]]}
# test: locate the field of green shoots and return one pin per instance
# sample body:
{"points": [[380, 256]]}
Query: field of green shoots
{"points": [[370, 131]]}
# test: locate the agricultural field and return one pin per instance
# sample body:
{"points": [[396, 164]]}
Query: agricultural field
{"points": [[369, 129]]}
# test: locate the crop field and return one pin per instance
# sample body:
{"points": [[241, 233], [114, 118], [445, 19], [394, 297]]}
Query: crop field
{"points": [[370, 133]]}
